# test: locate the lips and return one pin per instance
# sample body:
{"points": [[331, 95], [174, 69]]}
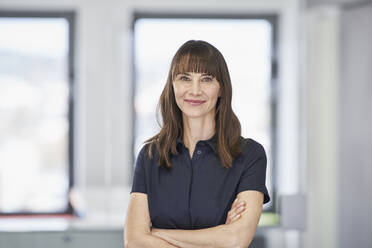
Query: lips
{"points": [[194, 102]]}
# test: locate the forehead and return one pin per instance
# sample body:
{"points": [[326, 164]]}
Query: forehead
{"points": [[194, 63]]}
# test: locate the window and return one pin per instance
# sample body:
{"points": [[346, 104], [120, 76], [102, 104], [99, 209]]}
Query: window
{"points": [[248, 45], [36, 107]]}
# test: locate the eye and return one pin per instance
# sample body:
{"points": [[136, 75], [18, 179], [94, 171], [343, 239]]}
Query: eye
{"points": [[184, 78], [207, 79]]}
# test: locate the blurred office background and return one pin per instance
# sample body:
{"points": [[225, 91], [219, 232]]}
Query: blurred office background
{"points": [[79, 84]]}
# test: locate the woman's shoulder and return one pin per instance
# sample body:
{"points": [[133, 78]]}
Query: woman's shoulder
{"points": [[251, 147], [145, 155]]}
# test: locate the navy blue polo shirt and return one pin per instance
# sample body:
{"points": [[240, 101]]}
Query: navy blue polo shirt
{"points": [[198, 193]]}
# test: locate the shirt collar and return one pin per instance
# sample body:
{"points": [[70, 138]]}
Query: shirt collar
{"points": [[212, 142]]}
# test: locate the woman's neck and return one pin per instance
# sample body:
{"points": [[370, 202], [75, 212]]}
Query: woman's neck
{"points": [[195, 129]]}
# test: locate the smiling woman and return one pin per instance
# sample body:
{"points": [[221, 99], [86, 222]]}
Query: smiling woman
{"points": [[196, 95], [196, 90], [189, 174], [250, 60], [198, 57]]}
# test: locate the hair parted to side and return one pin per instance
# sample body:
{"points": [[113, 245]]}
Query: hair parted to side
{"points": [[200, 57]]}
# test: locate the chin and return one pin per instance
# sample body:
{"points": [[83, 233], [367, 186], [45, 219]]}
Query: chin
{"points": [[194, 114]]}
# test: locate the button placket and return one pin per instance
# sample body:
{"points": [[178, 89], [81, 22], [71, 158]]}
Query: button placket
{"points": [[198, 150]]}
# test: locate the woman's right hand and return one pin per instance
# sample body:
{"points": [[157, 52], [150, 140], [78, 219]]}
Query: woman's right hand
{"points": [[235, 212]]}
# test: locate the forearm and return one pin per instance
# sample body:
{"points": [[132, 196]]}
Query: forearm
{"points": [[148, 241], [218, 236]]}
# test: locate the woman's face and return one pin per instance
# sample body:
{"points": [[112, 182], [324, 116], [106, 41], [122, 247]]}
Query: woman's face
{"points": [[196, 93]]}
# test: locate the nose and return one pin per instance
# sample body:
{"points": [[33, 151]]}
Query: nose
{"points": [[196, 87]]}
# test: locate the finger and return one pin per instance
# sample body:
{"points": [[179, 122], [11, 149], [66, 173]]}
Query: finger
{"points": [[237, 207], [235, 202], [230, 216], [231, 220], [228, 220], [238, 210], [234, 212], [235, 218]]}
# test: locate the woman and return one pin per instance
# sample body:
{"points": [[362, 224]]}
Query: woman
{"points": [[198, 166]]}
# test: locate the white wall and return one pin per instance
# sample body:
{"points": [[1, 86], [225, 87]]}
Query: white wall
{"points": [[338, 91], [321, 92], [355, 132]]}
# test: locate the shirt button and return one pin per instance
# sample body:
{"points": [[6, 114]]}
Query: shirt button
{"points": [[198, 152]]}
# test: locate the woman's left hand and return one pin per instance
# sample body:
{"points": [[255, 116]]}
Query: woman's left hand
{"points": [[234, 214]]}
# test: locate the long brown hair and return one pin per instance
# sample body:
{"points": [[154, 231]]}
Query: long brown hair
{"points": [[197, 56]]}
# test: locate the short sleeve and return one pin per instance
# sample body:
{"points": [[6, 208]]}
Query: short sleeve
{"points": [[139, 176], [254, 173]]}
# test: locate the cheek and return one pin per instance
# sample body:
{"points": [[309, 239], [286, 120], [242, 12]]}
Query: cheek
{"points": [[213, 93], [178, 91], [177, 95]]}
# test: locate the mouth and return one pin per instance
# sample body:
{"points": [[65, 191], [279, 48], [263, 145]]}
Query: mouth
{"points": [[194, 102]]}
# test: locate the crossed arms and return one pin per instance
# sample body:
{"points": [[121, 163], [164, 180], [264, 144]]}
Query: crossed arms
{"points": [[235, 234]]}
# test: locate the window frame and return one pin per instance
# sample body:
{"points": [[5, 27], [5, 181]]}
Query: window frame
{"points": [[273, 19], [70, 17]]}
